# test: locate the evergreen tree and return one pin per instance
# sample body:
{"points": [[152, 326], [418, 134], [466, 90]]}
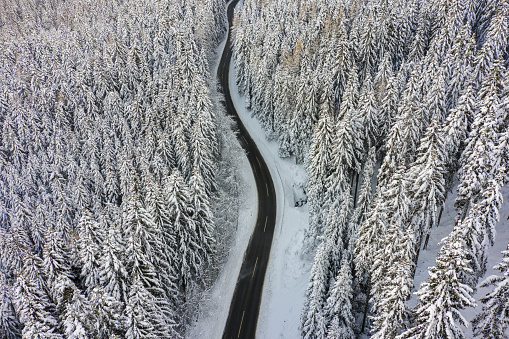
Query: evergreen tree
{"points": [[480, 227], [350, 98], [9, 323], [107, 317], [313, 322], [369, 114], [139, 228], [373, 228], [338, 309], [428, 186], [319, 166], [165, 252], [89, 250], [202, 216], [347, 154], [443, 295], [112, 274], [456, 127], [342, 61], [189, 260], [34, 309], [492, 321], [204, 148], [392, 289], [139, 311], [55, 260], [74, 309], [478, 163], [363, 202]]}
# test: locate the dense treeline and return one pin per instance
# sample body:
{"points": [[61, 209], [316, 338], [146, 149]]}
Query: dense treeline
{"points": [[115, 182], [410, 97]]}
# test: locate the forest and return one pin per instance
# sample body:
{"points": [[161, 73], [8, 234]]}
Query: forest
{"points": [[118, 185], [392, 106]]}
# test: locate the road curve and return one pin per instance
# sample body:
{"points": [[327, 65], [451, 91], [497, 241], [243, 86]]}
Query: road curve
{"points": [[243, 314]]}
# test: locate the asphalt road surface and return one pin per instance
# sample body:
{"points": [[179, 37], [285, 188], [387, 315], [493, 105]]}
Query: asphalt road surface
{"points": [[243, 315]]}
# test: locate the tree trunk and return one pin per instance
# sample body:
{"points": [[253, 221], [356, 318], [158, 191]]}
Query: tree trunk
{"points": [[366, 306], [440, 215], [355, 191], [426, 242], [464, 215]]}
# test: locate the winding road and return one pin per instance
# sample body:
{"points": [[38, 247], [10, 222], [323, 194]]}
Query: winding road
{"points": [[243, 314]]}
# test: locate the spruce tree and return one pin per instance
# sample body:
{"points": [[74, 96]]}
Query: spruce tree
{"points": [[477, 158], [443, 295], [319, 166], [189, 259], [75, 311], [202, 216], [107, 316], [113, 275], [35, 310], [493, 320], [338, 309], [313, 321], [428, 185], [392, 284], [89, 250], [10, 327]]}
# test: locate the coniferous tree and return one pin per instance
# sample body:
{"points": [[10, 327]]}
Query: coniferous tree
{"points": [[338, 309], [363, 202], [202, 216], [139, 228], [428, 184], [456, 127], [74, 309], [478, 166], [313, 322], [395, 284], [107, 317], [373, 228], [369, 114], [35, 309], [89, 250], [188, 259], [492, 322], [319, 166], [139, 311], [113, 274], [9, 323], [55, 260], [443, 295]]}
